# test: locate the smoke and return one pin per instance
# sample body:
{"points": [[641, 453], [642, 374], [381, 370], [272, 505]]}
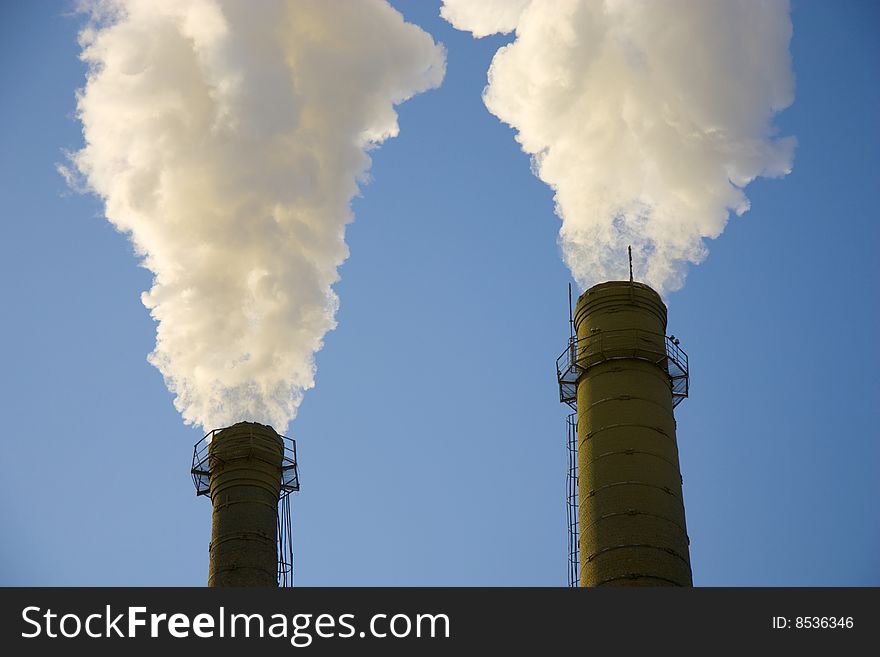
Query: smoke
{"points": [[227, 139], [647, 119], [484, 17]]}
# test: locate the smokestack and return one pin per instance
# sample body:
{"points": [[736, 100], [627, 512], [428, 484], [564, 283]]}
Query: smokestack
{"points": [[625, 377], [245, 483], [245, 469]]}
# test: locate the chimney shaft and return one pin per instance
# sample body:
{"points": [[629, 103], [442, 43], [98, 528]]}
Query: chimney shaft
{"points": [[631, 512], [245, 482]]}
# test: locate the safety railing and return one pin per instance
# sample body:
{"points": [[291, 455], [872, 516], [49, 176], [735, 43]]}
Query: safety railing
{"points": [[600, 346], [201, 465]]}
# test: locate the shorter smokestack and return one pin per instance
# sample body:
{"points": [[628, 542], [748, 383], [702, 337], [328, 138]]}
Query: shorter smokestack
{"points": [[245, 483], [248, 470]]}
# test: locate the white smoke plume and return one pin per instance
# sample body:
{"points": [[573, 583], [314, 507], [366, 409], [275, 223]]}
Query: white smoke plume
{"points": [[647, 118], [227, 139]]}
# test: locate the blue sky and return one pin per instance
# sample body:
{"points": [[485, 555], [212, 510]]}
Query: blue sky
{"points": [[432, 448]]}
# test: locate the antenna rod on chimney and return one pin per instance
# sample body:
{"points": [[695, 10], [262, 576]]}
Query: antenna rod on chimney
{"points": [[630, 251], [570, 317]]}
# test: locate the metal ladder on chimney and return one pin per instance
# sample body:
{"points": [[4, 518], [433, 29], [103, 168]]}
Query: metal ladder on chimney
{"points": [[571, 481]]}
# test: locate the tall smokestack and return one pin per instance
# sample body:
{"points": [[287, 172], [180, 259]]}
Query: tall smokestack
{"points": [[245, 469], [626, 376]]}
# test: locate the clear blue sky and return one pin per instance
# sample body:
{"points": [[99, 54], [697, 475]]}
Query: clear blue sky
{"points": [[432, 447]]}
